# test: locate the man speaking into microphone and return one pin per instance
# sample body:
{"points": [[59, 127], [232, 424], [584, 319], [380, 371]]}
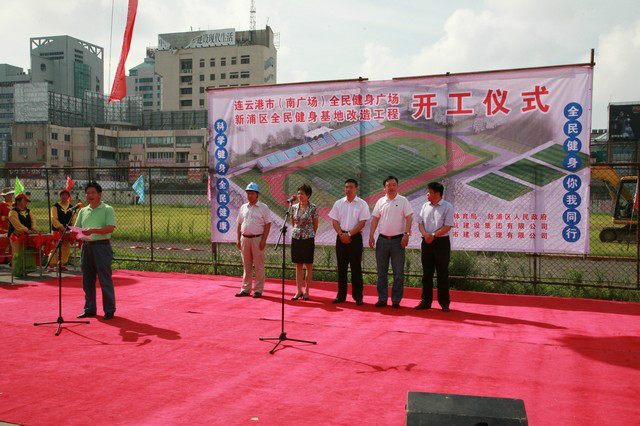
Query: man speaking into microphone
{"points": [[98, 221]]}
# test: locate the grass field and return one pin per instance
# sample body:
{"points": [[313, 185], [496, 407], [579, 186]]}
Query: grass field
{"points": [[400, 156], [555, 154], [500, 187], [532, 172]]}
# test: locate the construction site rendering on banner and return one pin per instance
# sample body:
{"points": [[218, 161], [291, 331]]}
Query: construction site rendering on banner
{"points": [[510, 147]]}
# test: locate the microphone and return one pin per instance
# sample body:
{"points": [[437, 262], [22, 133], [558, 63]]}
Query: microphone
{"points": [[76, 207], [292, 199]]}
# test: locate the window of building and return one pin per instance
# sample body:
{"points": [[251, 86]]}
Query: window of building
{"points": [[128, 142], [186, 91], [67, 138], [202, 90], [28, 135], [201, 63], [159, 155], [54, 152], [244, 74], [146, 80], [186, 65], [155, 141], [182, 157], [54, 136], [147, 95], [244, 59], [186, 103], [158, 79], [212, 62], [133, 73], [233, 75], [147, 104], [201, 102], [158, 87], [67, 153], [201, 77], [186, 141], [186, 79], [223, 62], [212, 77], [223, 76], [146, 88], [23, 151], [234, 60]]}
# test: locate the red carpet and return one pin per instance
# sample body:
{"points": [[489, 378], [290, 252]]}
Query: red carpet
{"points": [[183, 351]]}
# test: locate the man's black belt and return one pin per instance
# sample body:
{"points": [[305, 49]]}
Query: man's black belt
{"points": [[97, 242], [251, 236], [394, 237]]}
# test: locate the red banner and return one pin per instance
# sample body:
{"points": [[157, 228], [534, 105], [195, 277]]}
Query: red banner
{"points": [[119, 89]]}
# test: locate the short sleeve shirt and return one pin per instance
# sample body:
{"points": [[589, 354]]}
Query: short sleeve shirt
{"points": [[303, 227], [392, 214], [434, 217], [254, 218], [348, 214], [103, 215]]}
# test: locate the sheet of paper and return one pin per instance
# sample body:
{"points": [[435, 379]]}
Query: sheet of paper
{"points": [[81, 235]]}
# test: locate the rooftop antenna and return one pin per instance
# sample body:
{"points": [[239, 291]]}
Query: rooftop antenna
{"points": [[252, 16]]}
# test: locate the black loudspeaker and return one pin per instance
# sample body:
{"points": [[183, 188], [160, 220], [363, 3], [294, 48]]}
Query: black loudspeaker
{"points": [[438, 409]]}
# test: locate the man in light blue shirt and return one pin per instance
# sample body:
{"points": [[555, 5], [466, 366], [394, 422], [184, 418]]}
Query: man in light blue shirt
{"points": [[434, 222]]}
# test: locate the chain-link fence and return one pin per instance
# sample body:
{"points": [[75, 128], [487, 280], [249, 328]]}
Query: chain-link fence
{"points": [[173, 225]]}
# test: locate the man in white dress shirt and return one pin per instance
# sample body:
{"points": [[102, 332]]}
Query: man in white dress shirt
{"points": [[254, 223], [349, 215], [434, 223], [393, 213]]}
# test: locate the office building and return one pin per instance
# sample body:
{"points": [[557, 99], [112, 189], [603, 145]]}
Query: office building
{"points": [[190, 62]]}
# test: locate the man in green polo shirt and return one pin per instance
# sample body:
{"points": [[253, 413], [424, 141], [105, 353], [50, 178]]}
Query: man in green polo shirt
{"points": [[98, 221]]}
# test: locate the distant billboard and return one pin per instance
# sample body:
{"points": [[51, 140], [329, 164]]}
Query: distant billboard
{"points": [[624, 122]]}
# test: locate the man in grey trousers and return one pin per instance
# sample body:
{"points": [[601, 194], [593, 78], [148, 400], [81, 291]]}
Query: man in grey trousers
{"points": [[98, 221]]}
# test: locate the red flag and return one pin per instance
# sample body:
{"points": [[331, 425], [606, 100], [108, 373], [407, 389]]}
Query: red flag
{"points": [[70, 184], [635, 201], [119, 89]]}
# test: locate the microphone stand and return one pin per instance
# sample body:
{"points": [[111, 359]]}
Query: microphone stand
{"points": [[60, 320], [283, 335]]}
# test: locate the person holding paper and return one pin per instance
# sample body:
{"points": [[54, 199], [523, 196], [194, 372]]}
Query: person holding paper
{"points": [[98, 221]]}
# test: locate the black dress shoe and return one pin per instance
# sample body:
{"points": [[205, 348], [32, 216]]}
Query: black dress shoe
{"points": [[243, 294], [337, 300], [359, 302], [257, 295], [396, 305], [422, 305], [86, 315], [380, 304], [108, 316], [446, 309]]}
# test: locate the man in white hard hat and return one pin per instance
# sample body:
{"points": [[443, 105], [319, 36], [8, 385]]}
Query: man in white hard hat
{"points": [[254, 224]]}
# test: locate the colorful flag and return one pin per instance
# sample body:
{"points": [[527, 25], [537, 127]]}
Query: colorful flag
{"points": [[19, 188], [209, 187], [138, 186], [70, 184], [119, 89]]}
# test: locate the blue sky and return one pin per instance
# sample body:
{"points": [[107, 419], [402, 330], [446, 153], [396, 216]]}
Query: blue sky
{"points": [[369, 38]]}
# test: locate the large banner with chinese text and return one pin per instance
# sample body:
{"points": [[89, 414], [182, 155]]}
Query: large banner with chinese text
{"points": [[510, 147]]}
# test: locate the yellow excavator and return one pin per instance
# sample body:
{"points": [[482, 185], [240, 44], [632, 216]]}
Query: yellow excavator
{"points": [[622, 191]]}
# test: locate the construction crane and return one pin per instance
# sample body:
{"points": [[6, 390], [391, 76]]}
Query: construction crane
{"points": [[252, 16]]}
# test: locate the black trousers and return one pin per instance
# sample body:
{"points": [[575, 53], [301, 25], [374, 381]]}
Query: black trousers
{"points": [[435, 258], [349, 254]]}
